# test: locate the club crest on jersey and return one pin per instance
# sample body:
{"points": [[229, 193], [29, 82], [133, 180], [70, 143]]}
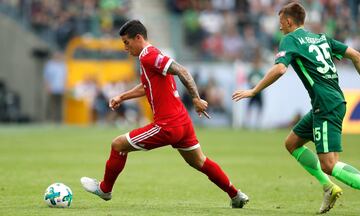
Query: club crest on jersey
{"points": [[280, 54], [158, 61]]}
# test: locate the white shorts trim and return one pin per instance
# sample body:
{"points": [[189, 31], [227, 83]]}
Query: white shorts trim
{"points": [[133, 144], [190, 148]]}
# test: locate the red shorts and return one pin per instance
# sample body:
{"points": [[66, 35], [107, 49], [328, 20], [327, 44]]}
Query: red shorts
{"points": [[153, 136]]}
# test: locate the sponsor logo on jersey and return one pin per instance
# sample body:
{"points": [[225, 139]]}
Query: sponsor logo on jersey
{"points": [[280, 54], [158, 61]]}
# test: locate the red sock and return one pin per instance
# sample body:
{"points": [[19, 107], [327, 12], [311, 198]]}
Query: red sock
{"points": [[114, 165], [218, 177]]}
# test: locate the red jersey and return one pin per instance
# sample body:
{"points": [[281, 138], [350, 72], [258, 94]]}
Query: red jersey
{"points": [[160, 88]]}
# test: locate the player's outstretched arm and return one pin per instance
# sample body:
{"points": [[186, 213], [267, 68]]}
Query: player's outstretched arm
{"points": [[354, 56], [271, 76], [137, 91], [188, 81]]}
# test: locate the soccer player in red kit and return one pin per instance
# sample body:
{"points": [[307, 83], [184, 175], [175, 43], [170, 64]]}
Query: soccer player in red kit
{"points": [[172, 124]]}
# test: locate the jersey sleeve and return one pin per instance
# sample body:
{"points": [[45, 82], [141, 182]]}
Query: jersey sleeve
{"points": [[157, 62], [338, 48], [285, 54]]}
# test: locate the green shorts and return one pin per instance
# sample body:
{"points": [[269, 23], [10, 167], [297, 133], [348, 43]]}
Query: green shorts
{"points": [[323, 129]]}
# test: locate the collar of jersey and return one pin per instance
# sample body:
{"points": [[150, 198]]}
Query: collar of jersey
{"points": [[301, 27], [149, 45]]}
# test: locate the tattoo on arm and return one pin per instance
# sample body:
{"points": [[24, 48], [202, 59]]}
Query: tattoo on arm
{"points": [[185, 77]]}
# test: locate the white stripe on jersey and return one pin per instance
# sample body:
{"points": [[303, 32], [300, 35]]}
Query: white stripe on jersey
{"points": [[144, 51], [167, 66], [150, 89]]}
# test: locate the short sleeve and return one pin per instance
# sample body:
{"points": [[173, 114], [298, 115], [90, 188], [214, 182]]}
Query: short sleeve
{"points": [[338, 49], [285, 54], [156, 62]]}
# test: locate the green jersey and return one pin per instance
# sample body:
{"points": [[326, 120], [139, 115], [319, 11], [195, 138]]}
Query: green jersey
{"points": [[311, 57]]}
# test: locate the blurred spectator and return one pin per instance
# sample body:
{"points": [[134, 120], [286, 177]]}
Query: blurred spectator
{"points": [[232, 44], [128, 112], [214, 95], [194, 34], [255, 106], [58, 21], [55, 78], [88, 90], [3, 108], [186, 98], [211, 20], [65, 30], [257, 22], [110, 90], [223, 5], [212, 47], [250, 44], [205, 22]]}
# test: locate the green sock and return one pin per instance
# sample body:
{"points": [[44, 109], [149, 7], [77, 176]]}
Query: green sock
{"points": [[347, 174], [311, 163]]}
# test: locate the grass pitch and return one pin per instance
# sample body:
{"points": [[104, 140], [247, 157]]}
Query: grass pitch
{"points": [[159, 182]]}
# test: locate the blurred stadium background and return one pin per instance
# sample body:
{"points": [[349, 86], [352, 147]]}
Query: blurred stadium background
{"points": [[48, 44]]}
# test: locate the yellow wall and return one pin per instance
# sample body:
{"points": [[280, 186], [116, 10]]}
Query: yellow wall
{"points": [[78, 111], [351, 122]]}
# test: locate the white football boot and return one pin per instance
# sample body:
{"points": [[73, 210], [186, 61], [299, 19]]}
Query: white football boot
{"points": [[330, 197], [93, 186], [239, 200]]}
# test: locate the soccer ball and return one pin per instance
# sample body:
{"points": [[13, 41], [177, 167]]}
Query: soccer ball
{"points": [[58, 195]]}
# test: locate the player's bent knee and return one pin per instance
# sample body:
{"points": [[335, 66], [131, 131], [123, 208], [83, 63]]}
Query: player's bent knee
{"points": [[327, 168], [197, 163], [289, 145], [327, 162], [118, 144]]}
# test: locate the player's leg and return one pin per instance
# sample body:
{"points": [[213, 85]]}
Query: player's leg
{"points": [[114, 165], [327, 139], [347, 174], [329, 145], [144, 138], [295, 144], [120, 147], [199, 161], [310, 162]]}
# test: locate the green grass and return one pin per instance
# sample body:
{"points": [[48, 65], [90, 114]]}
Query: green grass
{"points": [[160, 182]]}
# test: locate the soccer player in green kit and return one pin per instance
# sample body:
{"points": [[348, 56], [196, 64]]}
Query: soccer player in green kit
{"points": [[311, 57]]}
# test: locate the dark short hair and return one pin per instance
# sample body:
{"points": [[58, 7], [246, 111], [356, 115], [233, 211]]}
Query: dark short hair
{"points": [[132, 28], [294, 10]]}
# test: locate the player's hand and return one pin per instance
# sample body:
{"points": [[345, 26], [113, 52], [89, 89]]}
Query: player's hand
{"points": [[115, 102], [200, 107], [240, 94]]}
